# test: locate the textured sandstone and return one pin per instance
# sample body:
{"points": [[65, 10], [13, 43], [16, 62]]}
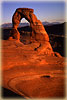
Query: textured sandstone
{"points": [[29, 74], [39, 33], [31, 70]]}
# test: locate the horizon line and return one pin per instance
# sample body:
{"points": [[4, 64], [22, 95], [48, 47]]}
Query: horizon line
{"points": [[41, 21]]}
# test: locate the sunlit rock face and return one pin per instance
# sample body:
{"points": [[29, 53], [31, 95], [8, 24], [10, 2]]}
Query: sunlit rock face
{"points": [[31, 70], [29, 74], [38, 33]]}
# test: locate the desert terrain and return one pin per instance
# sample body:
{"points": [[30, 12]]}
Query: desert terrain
{"points": [[30, 73]]}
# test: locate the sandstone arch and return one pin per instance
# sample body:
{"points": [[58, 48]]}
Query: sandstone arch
{"points": [[38, 31]]}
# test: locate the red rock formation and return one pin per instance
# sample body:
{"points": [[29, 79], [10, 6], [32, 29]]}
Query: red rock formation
{"points": [[29, 74], [14, 34], [38, 31]]}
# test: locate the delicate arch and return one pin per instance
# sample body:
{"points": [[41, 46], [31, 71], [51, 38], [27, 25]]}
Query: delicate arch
{"points": [[38, 31]]}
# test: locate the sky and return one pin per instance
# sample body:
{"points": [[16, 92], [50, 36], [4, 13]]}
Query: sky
{"points": [[45, 11]]}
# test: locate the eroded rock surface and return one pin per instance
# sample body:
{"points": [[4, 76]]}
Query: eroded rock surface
{"points": [[31, 70], [30, 74], [39, 33]]}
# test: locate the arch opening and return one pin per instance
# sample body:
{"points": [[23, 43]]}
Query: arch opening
{"points": [[25, 31]]}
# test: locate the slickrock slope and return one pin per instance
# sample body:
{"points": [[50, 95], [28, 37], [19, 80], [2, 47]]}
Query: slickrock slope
{"points": [[30, 74]]}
